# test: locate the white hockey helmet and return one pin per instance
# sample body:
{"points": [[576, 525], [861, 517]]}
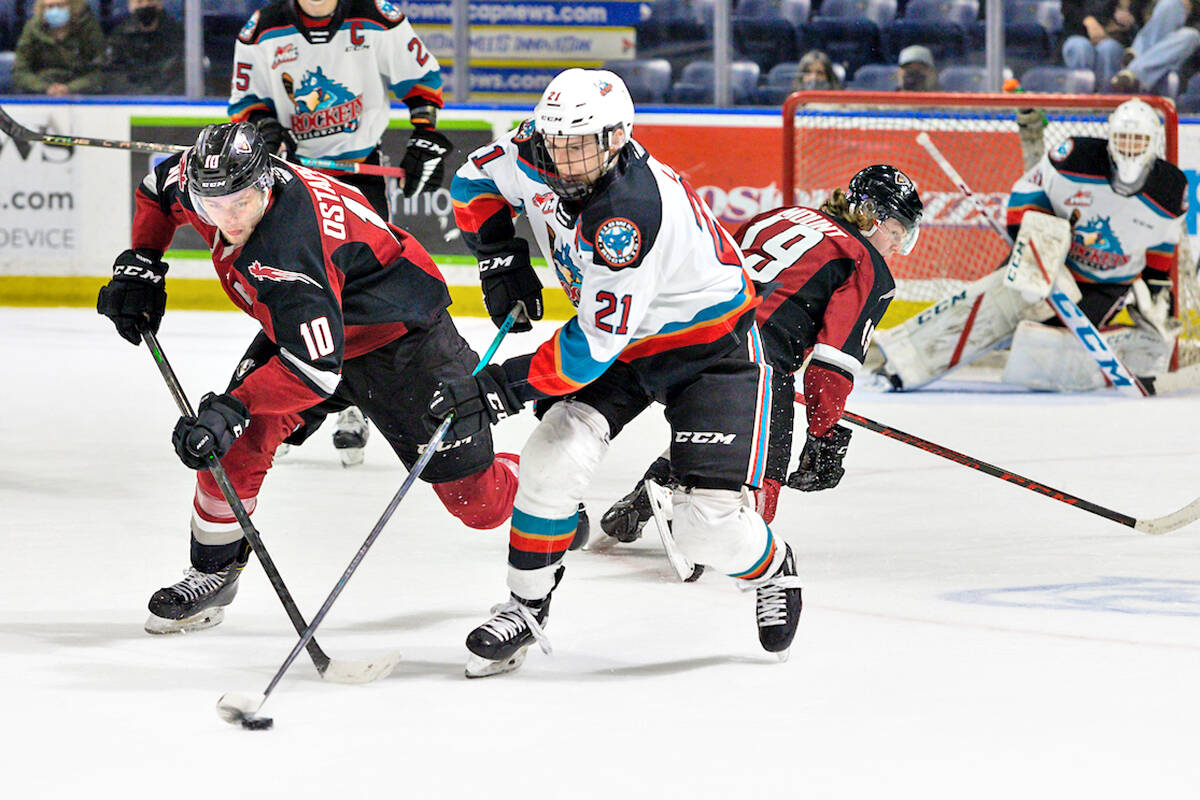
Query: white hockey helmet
{"points": [[1135, 138], [581, 102]]}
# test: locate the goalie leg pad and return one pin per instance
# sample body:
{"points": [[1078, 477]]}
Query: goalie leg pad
{"points": [[1050, 358]]}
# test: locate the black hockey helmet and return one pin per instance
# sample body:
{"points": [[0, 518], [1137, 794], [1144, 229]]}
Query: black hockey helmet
{"points": [[228, 158], [888, 193]]}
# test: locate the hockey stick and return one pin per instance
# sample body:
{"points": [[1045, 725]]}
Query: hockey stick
{"points": [[1075, 321], [18, 131], [1158, 525], [241, 709], [338, 671]]}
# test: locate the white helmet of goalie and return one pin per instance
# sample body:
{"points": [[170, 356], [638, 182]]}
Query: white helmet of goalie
{"points": [[584, 118], [1135, 138]]}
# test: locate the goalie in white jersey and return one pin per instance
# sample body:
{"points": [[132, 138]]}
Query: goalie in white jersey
{"points": [[1111, 210], [665, 313]]}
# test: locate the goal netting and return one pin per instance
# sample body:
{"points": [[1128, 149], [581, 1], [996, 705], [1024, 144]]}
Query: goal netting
{"points": [[828, 136]]}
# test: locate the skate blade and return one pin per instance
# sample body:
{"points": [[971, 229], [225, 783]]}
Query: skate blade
{"points": [[352, 456], [208, 618], [782, 655], [482, 667]]}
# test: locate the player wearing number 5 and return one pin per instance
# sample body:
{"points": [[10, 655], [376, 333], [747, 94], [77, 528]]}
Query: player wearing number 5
{"points": [[665, 312], [352, 308]]}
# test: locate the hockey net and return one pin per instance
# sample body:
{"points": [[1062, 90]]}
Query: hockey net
{"points": [[828, 136]]}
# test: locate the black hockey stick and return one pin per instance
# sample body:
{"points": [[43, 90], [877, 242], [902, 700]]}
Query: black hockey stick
{"points": [[338, 671], [236, 708], [18, 131], [1164, 524]]}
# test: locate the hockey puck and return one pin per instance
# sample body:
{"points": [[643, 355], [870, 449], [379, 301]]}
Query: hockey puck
{"points": [[257, 723]]}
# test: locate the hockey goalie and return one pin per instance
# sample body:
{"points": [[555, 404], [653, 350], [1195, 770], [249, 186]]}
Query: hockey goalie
{"points": [[1097, 219]]}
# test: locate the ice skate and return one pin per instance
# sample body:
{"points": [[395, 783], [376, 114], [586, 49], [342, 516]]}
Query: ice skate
{"points": [[499, 645], [350, 437], [625, 519], [777, 607], [194, 603]]}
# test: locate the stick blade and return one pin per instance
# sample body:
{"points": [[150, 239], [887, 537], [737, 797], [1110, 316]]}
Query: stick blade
{"points": [[235, 708], [1171, 522], [343, 671]]}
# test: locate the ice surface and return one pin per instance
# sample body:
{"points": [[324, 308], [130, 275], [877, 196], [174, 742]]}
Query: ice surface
{"points": [[962, 637]]}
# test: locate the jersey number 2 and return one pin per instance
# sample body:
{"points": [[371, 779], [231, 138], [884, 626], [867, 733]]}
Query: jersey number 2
{"points": [[610, 306]]}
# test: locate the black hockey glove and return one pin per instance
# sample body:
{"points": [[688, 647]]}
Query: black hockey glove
{"points": [[424, 161], [821, 461], [476, 402], [220, 419], [506, 276], [136, 297], [278, 139]]}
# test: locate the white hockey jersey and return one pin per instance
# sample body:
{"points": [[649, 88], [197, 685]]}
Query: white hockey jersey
{"points": [[1115, 237], [329, 85], [654, 277]]}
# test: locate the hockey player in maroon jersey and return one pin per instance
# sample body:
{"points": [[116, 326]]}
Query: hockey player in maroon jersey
{"points": [[352, 310], [827, 283]]}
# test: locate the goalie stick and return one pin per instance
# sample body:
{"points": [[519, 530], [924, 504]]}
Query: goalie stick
{"points": [[240, 709], [339, 671], [1075, 321], [1158, 525], [19, 132]]}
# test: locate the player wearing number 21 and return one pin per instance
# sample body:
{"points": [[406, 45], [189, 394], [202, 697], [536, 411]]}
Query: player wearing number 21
{"points": [[351, 308], [665, 312]]}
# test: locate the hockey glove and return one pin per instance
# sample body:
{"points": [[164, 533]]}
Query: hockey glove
{"points": [[506, 276], [424, 161], [136, 297], [476, 401], [821, 461], [219, 421], [278, 139]]}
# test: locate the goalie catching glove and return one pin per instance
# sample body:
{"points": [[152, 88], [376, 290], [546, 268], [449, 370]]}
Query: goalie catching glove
{"points": [[136, 297], [507, 277], [821, 461], [424, 162], [476, 401], [219, 421]]}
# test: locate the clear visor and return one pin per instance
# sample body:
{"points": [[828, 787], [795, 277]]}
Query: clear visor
{"points": [[245, 206], [906, 239]]}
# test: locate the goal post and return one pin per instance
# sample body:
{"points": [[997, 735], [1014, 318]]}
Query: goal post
{"points": [[830, 135]]}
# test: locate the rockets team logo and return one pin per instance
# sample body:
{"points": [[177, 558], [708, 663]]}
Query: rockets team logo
{"points": [[265, 273], [322, 105], [619, 242]]}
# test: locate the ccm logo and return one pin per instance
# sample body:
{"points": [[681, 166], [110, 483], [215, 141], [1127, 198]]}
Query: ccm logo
{"points": [[496, 262], [705, 437]]}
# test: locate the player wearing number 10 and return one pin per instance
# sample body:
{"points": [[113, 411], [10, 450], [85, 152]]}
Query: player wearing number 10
{"points": [[665, 312], [352, 310]]}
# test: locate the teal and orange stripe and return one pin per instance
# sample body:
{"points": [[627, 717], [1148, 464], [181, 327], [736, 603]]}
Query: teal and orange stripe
{"points": [[241, 111], [703, 329], [762, 410], [546, 373], [764, 561], [471, 215], [533, 534]]}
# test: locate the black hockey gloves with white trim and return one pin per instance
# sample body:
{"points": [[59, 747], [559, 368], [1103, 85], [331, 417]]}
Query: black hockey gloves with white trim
{"points": [[220, 419], [278, 139], [821, 461], [136, 297], [476, 401], [507, 276], [424, 162]]}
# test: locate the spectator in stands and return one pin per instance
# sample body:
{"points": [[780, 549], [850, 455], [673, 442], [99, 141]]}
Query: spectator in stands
{"points": [[816, 72], [1097, 33], [1165, 42], [917, 72], [145, 52], [59, 50]]}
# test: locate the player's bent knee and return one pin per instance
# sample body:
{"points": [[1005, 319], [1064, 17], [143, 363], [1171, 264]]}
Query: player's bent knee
{"points": [[714, 527], [481, 501], [560, 457]]}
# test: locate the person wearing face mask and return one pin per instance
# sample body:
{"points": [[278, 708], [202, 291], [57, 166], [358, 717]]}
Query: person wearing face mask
{"points": [[917, 71], [59, 50], [145, 52]]}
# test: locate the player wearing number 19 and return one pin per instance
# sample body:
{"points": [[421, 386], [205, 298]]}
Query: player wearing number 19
{"points": [[665, 312], [352, 309]]}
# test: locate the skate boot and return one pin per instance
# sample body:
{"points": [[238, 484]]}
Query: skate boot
{"points": [[777, 607], [499, 644], [196, 602], [351, 435], [583, 530], [626, 518]]}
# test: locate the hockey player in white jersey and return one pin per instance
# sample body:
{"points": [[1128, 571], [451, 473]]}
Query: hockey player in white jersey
{"points": [[665, 313], [314, 77], [1111, 210]]}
